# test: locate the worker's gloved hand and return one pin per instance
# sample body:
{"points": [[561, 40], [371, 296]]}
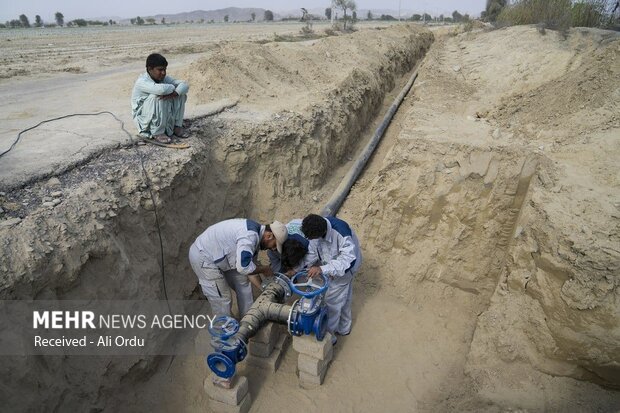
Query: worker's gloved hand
{"points": [[314, 272]]}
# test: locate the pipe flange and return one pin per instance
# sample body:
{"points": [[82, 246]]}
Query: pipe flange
{"points": [[221, 365], [320, 324], [292, 318], [283, 280]]}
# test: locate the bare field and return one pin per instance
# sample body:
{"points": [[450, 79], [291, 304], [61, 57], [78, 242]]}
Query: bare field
{"points": [[90, 49]]}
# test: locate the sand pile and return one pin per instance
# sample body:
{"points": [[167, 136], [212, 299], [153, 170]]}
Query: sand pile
{"points": [[293, 75]]}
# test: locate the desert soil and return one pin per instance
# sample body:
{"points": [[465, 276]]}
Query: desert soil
{"points": [[471, 203]]}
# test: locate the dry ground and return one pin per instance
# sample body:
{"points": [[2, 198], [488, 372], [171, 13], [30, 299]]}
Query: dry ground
{"points": [[497, 123]]}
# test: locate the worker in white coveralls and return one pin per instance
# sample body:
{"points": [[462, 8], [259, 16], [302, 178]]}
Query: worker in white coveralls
{"points": [[291, 259], [158, 102], [336, 249], [224, 255]]}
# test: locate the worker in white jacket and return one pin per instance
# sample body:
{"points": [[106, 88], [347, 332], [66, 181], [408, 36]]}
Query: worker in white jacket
{"points": [[223, 257], [158, 102], [336, 249]]}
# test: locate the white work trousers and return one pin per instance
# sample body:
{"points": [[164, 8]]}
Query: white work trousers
{"points": [[159, 116], [216, 284], [338, 299]]}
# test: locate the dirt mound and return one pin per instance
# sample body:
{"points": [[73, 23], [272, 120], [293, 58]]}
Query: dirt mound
{"points": [[586, 95], [285, 75]]}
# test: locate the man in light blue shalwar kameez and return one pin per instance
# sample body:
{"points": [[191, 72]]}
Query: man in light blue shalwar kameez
{"points": [[158, 102]]}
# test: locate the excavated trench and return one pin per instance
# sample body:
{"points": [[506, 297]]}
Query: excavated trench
{"points": [[437, 220]]}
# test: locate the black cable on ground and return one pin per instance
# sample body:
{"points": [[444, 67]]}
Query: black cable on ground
{"points": [[146, 178]]}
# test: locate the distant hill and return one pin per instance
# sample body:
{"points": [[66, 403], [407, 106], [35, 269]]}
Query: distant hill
{"points": [[233, 13]]}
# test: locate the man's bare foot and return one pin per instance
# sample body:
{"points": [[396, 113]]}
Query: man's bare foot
{"points": [[180, 132]]}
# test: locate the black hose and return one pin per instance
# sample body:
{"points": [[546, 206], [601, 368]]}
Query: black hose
{"points": [[335, 202]]}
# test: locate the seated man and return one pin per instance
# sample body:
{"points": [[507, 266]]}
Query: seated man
{"points": [[223, 257], [336, 250], [158, 102]]}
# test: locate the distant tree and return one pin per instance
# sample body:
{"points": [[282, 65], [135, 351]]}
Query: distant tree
{"points": [[345, 5], [37, 21], [139, 21], [14, 23], [304, 15], [226, 18], [253, 16], [23, 19], [354, 16], [60, 19], [79, 23], [150, 20], [163, 20], [427, 17], [416, 17], [268, 15], [132, 21], [328, 13], [456, 16], [387, 17], [441, 17], [493, 9], [369, 15]]}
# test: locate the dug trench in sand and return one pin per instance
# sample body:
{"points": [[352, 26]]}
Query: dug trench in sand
{"points": [[474, 265]]}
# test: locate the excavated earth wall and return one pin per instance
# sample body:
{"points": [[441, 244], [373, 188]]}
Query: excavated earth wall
{"points": [[101, 241]]}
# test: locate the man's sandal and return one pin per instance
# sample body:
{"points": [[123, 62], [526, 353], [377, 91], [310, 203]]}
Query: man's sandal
{"points": [[162, 139], [180, 133]]}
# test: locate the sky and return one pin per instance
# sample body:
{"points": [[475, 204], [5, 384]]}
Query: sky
{"points": [[73, 9]]}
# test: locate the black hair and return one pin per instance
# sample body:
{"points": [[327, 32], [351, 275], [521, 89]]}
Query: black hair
{"points": [[155, 60], [293, 252], [314, 226]]}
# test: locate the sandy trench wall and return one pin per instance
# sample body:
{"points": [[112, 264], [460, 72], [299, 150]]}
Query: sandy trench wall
{"points": [[101, 242], [557, 305]]}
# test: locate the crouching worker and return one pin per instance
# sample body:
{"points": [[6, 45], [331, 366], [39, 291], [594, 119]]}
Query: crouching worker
{"points": [[336, 249], [223, 258], [158, 102], [291, 259]]}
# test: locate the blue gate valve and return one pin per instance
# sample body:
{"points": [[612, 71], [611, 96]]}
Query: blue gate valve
{"points": [[308, 314], [228, 350]]}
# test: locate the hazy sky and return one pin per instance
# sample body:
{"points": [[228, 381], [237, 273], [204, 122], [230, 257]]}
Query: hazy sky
{"points": [[73, 9]]}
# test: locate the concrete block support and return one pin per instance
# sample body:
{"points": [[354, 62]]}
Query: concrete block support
{"points": [[268, 333], [243, 407], [272, 363], [261, 349], [310, 380], [223, 400], [313, 360], [310, 346], [312, 365]]}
